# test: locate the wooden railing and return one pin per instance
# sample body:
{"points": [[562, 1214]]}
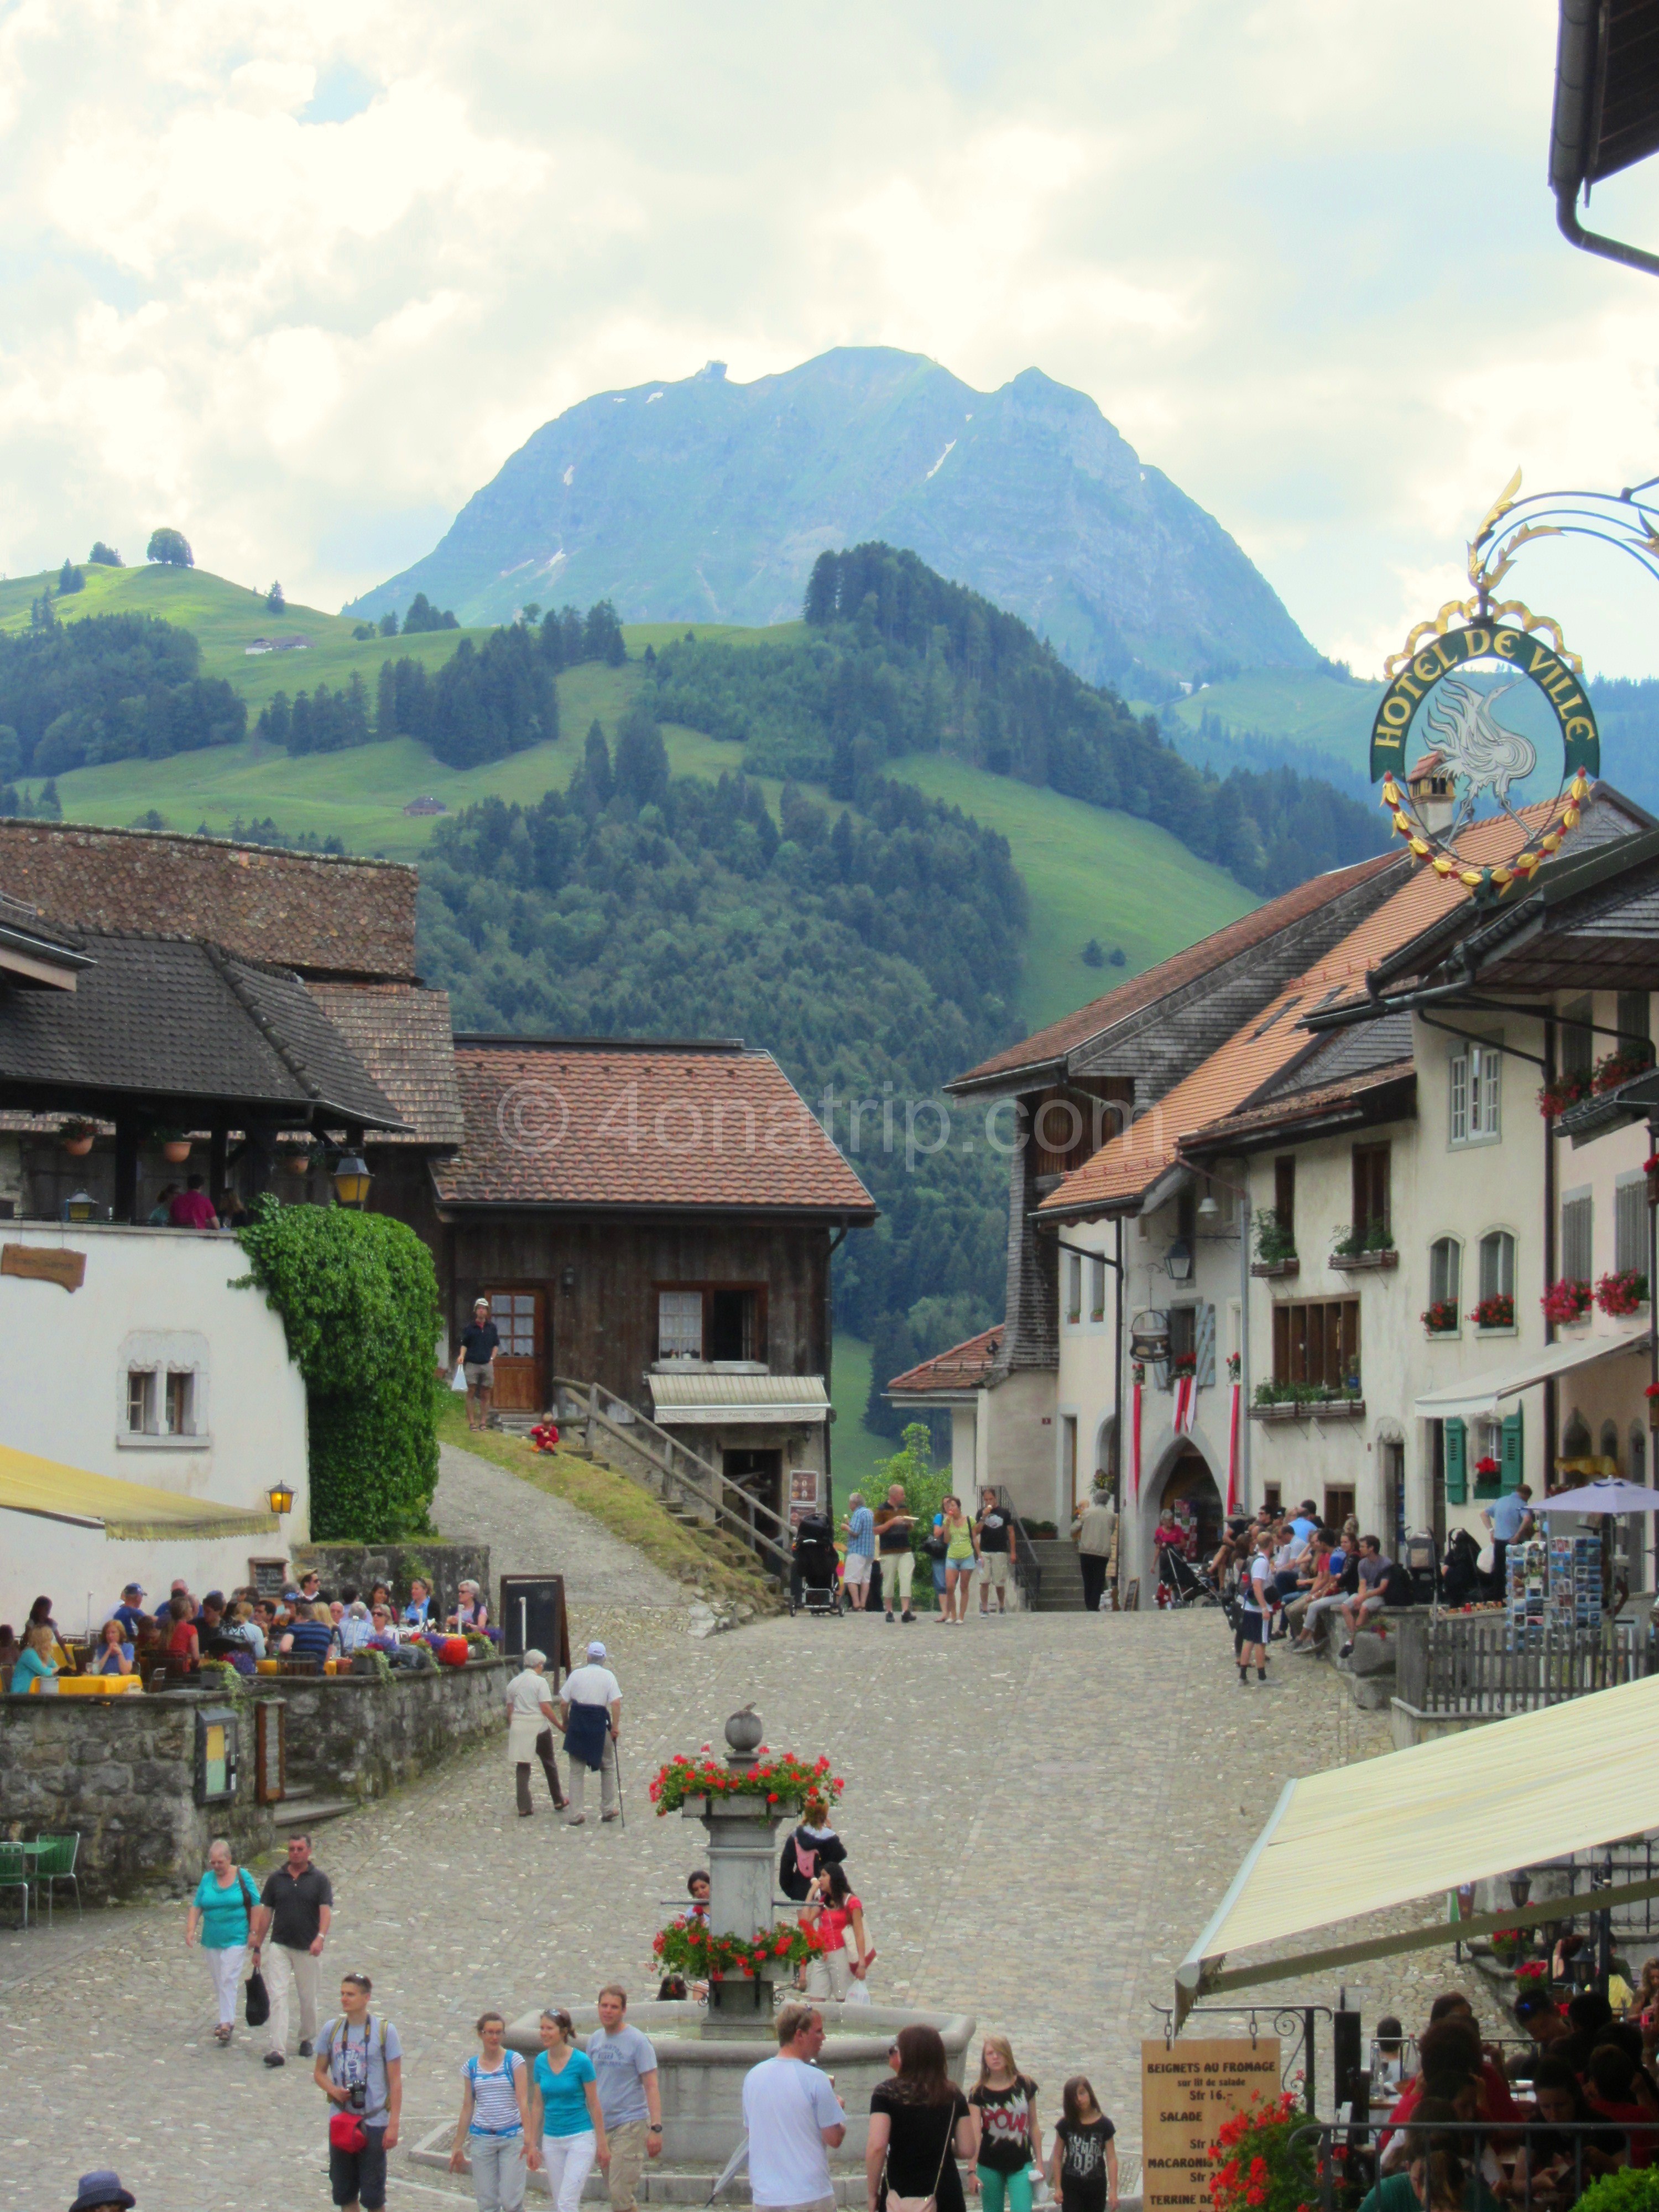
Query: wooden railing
{"points": [[672, 1470], [1470, 1667], [1028, 1574]]}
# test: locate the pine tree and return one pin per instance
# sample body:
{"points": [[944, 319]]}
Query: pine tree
{"points": [[386, 702], [596, 765], [822, 588], [641, 758]]}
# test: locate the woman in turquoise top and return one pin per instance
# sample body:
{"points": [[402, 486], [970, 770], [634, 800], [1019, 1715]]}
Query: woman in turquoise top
{"points": [[219, 1916], [33, 1663], [566, 2126]]}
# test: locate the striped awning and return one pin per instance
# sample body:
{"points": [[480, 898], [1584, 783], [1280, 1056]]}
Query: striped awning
{"points": [[55, 1493], [712, 1401]]}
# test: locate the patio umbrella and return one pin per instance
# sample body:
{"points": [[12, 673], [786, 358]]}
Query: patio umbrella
{"points": [[1609, 1495]]}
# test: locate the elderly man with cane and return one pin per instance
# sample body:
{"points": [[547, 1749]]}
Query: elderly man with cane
{"points": [[590, 1705], [529, 1726]]}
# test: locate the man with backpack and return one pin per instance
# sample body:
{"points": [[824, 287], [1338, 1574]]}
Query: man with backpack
{"points": [[1381, 1583], [808, 1851], [360, 2070]]}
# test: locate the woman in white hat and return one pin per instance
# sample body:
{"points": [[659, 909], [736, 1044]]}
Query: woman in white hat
{"points": [[530, 1725]]}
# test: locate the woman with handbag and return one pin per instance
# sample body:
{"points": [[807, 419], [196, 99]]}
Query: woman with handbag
{"points": [[917, 2120], [843, 1950], [219, 1914]]}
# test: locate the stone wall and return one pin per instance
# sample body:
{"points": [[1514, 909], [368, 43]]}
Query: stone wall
{"points": [[442, 1567], [121, 1772]]}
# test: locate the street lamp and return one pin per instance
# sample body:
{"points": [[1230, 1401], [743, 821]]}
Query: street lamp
{"points": [[351, 1179], [280, 1498], [81, 1207], [1207, 1208], [1178, 1261], [1519, 1888]]}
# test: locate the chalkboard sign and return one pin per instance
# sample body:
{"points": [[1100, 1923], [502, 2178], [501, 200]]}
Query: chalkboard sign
{"points": [[269, 1751], [268, 1576], [533, 1619]]}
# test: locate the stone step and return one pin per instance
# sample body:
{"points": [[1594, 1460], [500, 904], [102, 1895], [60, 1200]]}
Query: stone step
{"points": [[305, 1811]]}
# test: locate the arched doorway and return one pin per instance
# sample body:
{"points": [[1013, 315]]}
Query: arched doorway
{"points": [[1105, 1466], [1189, 1478]]}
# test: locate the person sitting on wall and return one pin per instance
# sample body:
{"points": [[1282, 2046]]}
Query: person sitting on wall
{"points": [[419, 1613], [191, 1207], [383, 1630], [472, 1615]]}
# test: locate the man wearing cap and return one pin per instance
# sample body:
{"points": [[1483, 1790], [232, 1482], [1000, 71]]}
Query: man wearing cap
{"points": [[530, 1725], [590, 1712], [102, 2191], [479, 1341], [130, 1612]]}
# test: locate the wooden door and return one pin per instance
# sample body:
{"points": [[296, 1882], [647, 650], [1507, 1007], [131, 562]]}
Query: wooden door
{"points": [[520, 1359]]}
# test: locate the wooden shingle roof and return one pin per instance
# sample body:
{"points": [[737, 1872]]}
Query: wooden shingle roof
{"points": [[402, 1034]]}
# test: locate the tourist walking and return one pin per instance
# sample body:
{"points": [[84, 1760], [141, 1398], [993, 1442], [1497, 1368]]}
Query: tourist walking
{"points": [[1094, 1531], [221, 1916], [961, 1556], [808, 1851], [1010, 2138], [295, 1907], [894, 1524], [844, 1952], [590, 1713], [1259, 1598], [495, 2120], [861, 1526], [794, 2119], [917, 2120], [1084, 2167], [480, 1341], [994, 1529], [530, 1725], [630, 2099], [567, 2126], [359, 2069]]}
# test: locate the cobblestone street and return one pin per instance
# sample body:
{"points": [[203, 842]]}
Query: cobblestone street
{"points": [[1041, 1813]]}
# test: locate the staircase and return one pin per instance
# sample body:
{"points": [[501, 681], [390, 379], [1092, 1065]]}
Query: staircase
{"points": [[1061, 1589], [304, 1804]]}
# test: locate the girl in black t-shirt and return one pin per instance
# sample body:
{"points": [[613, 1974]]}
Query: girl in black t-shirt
{"points": [[1084, 2167], [917, 2120], [1009, 2141]]}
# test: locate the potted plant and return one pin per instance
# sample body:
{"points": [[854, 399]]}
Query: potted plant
{"points": [[1364, 1245], [1566, 1302], [1256, 2164], [1275, 1247], [1441, 1318], [1619, 1067], [75, 1137], [298, 1161], [1617, 1295], [1487, 1473], [1496, 1312], [1564, 1090], [175, 1146]]}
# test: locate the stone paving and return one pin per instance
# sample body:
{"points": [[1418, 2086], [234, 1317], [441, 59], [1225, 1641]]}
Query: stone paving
{"points": [[529, 1532], [1041, 1813]]}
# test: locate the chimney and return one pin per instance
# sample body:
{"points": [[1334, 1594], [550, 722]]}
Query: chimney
{"points": [[1433, 794]]}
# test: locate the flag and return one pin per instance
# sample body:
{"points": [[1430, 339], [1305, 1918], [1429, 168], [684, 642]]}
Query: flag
{"points": [[1232, 1450], [1186, 1404]]}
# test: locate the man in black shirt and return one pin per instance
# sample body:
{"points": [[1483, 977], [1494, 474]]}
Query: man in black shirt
{"points": [[993, 1532], [479, 1341], [295, 1907]]}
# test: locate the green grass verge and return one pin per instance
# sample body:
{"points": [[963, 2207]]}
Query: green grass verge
{"points": [[858, 1452], [1314, 710], [616, 1504]]}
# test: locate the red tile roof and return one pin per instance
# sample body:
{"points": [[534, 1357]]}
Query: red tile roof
{"points": [[963, 1367], [1299, 1105], [322, 915], [564, 1124], [1065, 1036]]}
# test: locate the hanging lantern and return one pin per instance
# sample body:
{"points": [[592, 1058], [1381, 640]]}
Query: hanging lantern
{"points": [[351, 1179], [280, 1498], [1149, 1337]]}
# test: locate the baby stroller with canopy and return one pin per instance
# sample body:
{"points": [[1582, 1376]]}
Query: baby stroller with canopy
{"points": [[813, 1576], [1181, 1582]]}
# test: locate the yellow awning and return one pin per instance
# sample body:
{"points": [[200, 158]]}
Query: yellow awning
{"points": [[31, 1484], [1415, 1824]]}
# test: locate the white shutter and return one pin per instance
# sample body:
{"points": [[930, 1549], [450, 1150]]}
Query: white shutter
{"points": [[1460, 1097], [1204, 1345], [1630, 1226]]}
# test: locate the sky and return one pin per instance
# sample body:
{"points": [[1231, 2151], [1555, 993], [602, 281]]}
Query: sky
{"points": [[297, 278]]}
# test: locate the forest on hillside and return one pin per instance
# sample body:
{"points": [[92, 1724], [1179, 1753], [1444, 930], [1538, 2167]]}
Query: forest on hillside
{"points": [[113, 687]]}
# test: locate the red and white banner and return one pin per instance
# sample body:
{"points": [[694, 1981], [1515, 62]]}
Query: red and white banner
{"points": [[1135, 1445], [1232, 1450], [1186, 1404]]}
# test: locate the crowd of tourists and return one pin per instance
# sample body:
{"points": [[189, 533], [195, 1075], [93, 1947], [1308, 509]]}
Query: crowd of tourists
{"points": [[306, 1623], [963, 1552], [1288, 1577]]}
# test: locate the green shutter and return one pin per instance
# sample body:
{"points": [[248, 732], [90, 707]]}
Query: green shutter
{"points": [[1512, 1457], [1457, 1462]]}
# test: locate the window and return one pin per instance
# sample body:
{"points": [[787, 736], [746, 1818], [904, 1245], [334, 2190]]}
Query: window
{"points": [[1285, 1195], [1339, 1504], [1497, 1265], [1578, 1036], [733, 1330], [679, 1324], [161, 1402], [1097, 1289], [181, 1400], [1370, 1187], [141, 1402], [1445, 1260], [1577, 1229], [1634, 1021], [1315, 1341], [1074, 1287], [1474, 1094], [1629, 1225], [1183, 1340]]}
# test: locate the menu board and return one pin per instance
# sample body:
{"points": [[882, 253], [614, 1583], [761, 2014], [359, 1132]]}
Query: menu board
{"points": [[1189, 2091]]}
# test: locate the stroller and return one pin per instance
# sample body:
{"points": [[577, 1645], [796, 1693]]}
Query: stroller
{"points": [[813, 1576], [1181, 1583]]}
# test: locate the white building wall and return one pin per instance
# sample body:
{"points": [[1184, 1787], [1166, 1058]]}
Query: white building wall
{"points": [[64, 1362]]}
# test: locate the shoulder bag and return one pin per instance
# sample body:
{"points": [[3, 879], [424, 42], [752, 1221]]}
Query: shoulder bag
{"points": [[346, 2131], [930, 2203], [258, 1997]]}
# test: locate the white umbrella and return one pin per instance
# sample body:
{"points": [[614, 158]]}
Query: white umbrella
{"points": [[1608, 1495]]}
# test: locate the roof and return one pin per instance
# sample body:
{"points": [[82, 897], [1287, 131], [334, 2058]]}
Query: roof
{"points": [[966, 1366], [173, 1020], [564, 1124], [1120, 1175], [1049, 1047], [1346, 1101], [1459, 1809], [131, 1509], [708, 1401], [308, 911], [401, 1033]]}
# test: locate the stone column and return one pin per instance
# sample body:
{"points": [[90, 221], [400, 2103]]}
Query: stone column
{"points": [[742, 1848]]}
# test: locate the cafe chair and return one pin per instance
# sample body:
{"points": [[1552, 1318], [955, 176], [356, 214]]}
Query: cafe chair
{"points": [[16, 1873], [54, 1863]]}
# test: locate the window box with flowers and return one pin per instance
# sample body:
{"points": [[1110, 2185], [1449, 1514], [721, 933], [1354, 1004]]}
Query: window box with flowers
{"points": [[1365, 1244], [1495, 1316], [1618, 1295], [1616, 1068], [1488, 1478], [1568, 1089], [1566, 1302], [1441, 1318]]}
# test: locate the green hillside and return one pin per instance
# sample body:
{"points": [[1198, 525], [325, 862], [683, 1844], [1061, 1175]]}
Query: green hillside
{"points": [[1300, 705]]}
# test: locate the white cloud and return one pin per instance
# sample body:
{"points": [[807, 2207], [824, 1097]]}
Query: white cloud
{"points": [[1298, 250]]}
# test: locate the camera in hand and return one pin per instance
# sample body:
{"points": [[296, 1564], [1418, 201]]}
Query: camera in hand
{"points": [[357, 2097]]}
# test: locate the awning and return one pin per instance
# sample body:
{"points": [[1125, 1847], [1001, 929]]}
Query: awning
{"points": [[1479, 1394], [45, 1486], [1417, 1823], [719, 1401]]}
